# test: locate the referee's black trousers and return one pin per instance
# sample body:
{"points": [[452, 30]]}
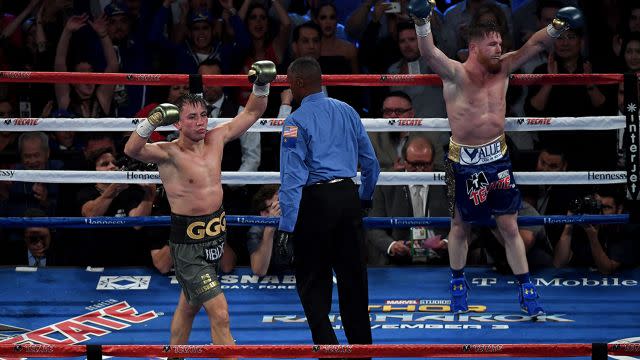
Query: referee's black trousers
{"points": [[329, 237]]}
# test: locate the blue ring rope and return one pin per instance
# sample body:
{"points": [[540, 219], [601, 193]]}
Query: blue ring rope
{"points": [[241, 220]]}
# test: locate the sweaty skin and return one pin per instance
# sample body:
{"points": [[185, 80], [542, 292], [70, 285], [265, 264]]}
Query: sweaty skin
{"points": [[475, 99]]}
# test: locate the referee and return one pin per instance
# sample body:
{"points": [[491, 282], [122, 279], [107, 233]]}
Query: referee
{"points": [[322, 143]]}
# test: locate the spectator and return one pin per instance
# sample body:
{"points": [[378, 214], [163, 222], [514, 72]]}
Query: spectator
{"points": [[132, 52], [307, 41], [31, 53], [85, 100], [528, 16], [301, 11], [456, 22], [551, 199], [630, 24], [266, 44], [630, 53], [609, 247], [264, 257], [428, 100], [33, 148], [105, 247], [388, 144], [392, 246], [38, 247], [325, 15], [200, 43], [565, 100], [544, 13]]}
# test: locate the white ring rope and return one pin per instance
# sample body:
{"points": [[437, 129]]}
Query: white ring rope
{"points": [[275, 125], [268, 177]]}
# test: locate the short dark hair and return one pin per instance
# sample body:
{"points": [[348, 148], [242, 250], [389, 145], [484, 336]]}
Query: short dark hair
{"points": [[191, 99], [615, 191], [259, 200], [404, 25], [93, 156], [400, 94], [553, 148], [214, 61], [307, 25], [307, 67], [316, 10]]}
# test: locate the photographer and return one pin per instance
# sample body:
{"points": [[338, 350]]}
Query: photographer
{"points": [[609, 247], [114, 246]]}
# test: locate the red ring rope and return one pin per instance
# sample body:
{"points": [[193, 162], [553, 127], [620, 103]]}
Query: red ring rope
{"points": [[322, 351], [281, 80]]}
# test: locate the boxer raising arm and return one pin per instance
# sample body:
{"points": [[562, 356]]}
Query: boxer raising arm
{"points": [[190, 171], [478, 170]]}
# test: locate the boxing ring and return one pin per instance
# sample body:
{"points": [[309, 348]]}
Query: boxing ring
{"points": [[93, 309]]}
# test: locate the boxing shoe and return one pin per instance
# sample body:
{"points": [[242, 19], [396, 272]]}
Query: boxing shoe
{"points": [[528, 297], [459, 289]]}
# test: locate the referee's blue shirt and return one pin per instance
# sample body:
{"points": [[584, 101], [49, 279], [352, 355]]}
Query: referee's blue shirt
{"points": [[323, 139]]}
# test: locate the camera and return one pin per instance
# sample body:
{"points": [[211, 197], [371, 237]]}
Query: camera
{"points": [[588, 205], [126, 163]]}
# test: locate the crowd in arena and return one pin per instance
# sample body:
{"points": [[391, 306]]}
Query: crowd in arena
{"points": [[211, 37]]}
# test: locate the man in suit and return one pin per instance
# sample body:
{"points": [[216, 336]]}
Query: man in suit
{"points": [[36, 247], [392, 246]]}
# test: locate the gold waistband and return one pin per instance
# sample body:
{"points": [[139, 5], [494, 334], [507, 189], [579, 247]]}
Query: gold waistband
{"points": [[455, 150]]}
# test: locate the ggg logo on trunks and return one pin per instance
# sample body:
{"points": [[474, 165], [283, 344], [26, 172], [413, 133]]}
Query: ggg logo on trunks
{"points": [[198, 229]]}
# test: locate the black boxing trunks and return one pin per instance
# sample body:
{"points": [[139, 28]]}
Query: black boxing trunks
{"points": [[196, 244], [480, 181]]}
